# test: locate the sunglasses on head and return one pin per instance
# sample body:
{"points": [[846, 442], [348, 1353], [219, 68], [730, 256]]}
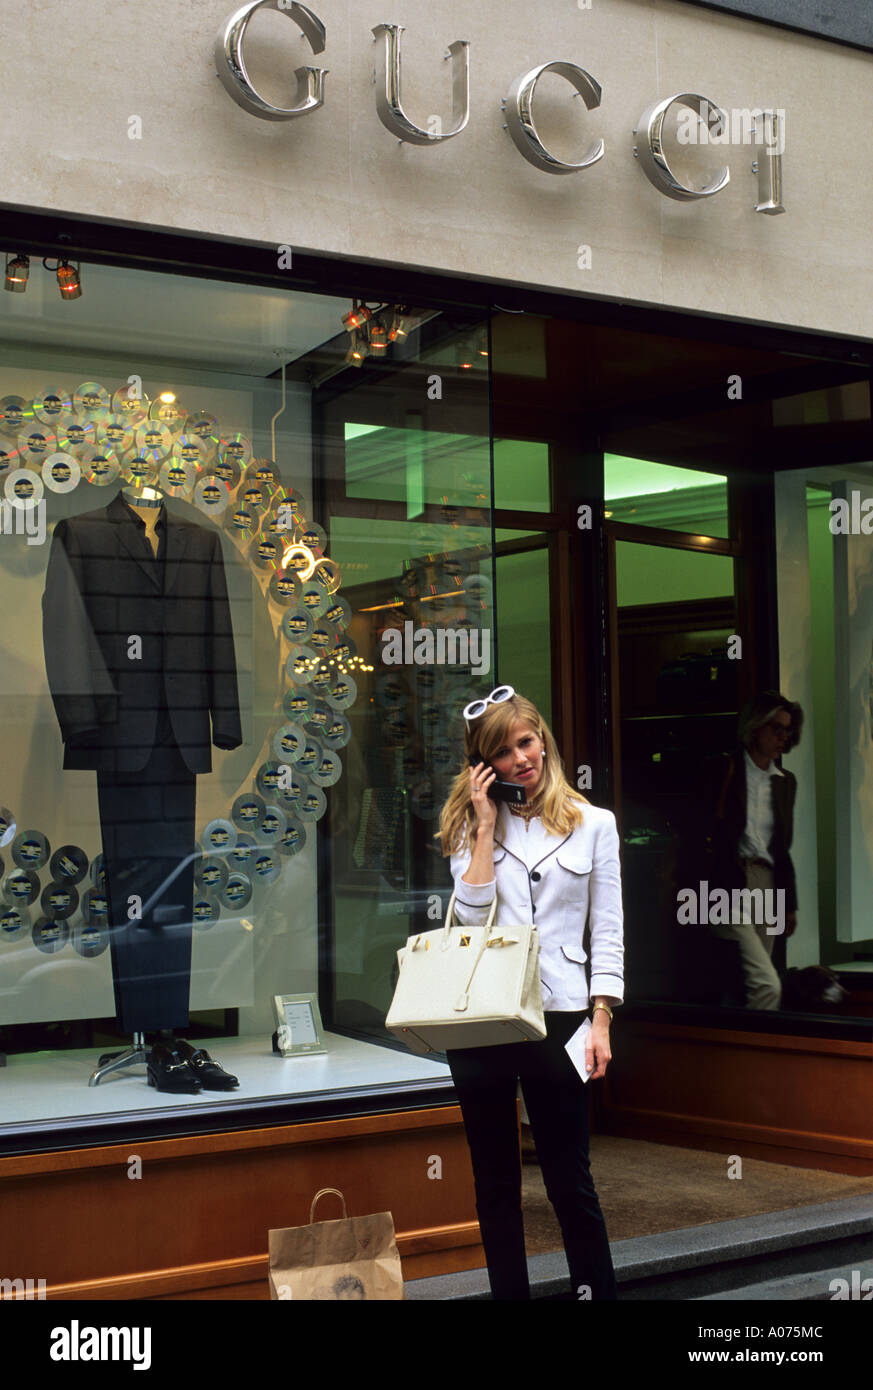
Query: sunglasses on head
{"points": [[497, 697]]}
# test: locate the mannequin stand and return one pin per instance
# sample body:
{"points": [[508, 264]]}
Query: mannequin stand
{"points": [[136, 1055]]}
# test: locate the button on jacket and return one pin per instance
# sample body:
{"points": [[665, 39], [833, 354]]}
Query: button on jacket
{"points": [[574, 880]]}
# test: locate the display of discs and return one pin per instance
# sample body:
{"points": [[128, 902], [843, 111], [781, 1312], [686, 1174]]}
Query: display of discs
{"points": [[247, 811], [134, 408], [206, 910], [176, 478], [50, 935], [92, 400], [267, 553], [95, 907], [313, 598], [210, 874], [311, 803], [293, 837], [154, 439], [267, 779], [12, 410], [31, 850], [328, 770], [301, 664], [337, 731], [8, 460], [35, 445], [319, 717], [61, 472], [284, 588], [54, 407], [78, 437], [273, 822], [59, 900], [321, 639], [263, 473], [314, 537], [20, 887], [337, 614], [342, 693], [8, 826], [69, 864], [168, 412], [211, 495], [219, 836], [267, 865], [236, 448], [242, 852], [88, 940], [226, 469], [205, 427], [99, 468], [23, 488], [291, 788], [255, 498], [189, 449], [298, 706], [14, 922], [140, 469], [237, 892], [289, 743], [297, 626], [115, 434], [242, 524]]}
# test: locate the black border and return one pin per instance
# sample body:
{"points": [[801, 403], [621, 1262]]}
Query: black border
{"points": [[854, 30]]}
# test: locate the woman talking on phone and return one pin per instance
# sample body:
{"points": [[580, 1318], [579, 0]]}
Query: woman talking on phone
{"points": [[552, 860]]}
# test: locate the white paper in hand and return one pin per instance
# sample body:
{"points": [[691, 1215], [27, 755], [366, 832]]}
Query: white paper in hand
{"points": [[575, 1049]]}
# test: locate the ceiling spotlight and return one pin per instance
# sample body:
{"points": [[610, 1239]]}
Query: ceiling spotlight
{"points": [[167, 397], [400, 324], [356, 317], [69, 280], [17, 271], [357, 351], [378, 339]]}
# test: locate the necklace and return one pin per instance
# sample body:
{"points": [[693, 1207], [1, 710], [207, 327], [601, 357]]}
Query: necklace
{"points": [[525, 811]]}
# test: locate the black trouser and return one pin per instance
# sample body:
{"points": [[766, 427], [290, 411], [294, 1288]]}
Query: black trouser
{"points": [[557, 1102], [147, 823]]}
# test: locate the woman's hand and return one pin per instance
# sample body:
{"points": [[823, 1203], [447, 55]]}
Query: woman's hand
{"points": [[597, 1048], [481, 777]]}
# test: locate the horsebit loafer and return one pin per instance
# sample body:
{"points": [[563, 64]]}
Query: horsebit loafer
{"points": [[211, 1076], [169, 1071]]}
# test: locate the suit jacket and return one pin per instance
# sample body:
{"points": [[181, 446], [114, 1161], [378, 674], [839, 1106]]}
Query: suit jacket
{"points": [[577, 882], [103, 589], [725, 868]]}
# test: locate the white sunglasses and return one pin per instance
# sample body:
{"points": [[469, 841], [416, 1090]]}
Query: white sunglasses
{"points": [[477, 707]]}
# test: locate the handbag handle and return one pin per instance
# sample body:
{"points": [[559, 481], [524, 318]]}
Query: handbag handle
{"points": [[321, 1193], [489, 923]]}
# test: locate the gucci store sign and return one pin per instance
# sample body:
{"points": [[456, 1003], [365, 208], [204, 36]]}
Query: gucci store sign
{"points": [[767, 126]]}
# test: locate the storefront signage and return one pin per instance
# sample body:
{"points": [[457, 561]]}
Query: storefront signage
{"points": [[767, 126]]}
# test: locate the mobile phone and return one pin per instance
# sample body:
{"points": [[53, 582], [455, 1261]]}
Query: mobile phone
{"points": [[503, 791]]}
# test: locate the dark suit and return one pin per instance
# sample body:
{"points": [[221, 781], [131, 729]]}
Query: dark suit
{"points": [[140, 659], [726, 869]]}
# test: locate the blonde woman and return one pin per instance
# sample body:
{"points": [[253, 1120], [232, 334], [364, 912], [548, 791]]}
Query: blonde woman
{"points": [[554, 861]]}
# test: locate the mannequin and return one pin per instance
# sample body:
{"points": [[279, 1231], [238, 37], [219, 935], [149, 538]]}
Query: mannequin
{"points": [[140, 661]]}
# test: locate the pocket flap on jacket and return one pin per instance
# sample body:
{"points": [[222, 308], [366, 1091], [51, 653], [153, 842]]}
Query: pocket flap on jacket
{"points": [[574, 952], [574, 859]]}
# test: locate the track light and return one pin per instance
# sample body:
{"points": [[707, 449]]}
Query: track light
{"points": [[356, 317], [357, 352], [69, 280], [17, 271]]}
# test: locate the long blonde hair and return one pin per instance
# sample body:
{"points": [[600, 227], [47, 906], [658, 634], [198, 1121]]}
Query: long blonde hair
{"points": [[555, 799]]}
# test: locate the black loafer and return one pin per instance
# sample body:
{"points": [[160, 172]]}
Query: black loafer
{"points": [[168, 1071], [211, 1076]]}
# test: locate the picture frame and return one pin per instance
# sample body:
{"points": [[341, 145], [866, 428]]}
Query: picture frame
{"points": [[300, 1030]]}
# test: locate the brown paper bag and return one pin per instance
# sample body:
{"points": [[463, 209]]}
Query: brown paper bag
{"points": [[349, 1259]]}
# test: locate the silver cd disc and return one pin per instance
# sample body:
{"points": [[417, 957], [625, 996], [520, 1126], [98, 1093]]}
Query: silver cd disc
{"points": [[313, 598], [99, 467], [342, 693], [168, 411], [8, 826], [205, 427], [293, 837], [296, 626], [237, 891], [154, 440], [59, 900], [35, 444], [226, 469], [92, 400], [210, 873], [8, 457], [78, 437], [12, 410], [301, 664], [241, 523], [267, 865], [211, 495], [267, 779], [189, 449], [20, 888], [337, 731], [321, 640], [289, 506], [242, 852], [298, 706], [219, 837], [255, 498], [263, 473], [50, 935], [326, 573], [329, 769], [314, 537], [319, 718], [176, 478], [140, 469], [14, 922], [288, 744], [95, 908], [323, 678], [291, 787], [132, 406], [88, 940], [61, 472], [284, 588], [23, 487], [97, 873], [298, 560], [344, 651], [54, 407], [206, 911], [310, 756], [237, 449], [69, 864], [338, 614], [115, 434], [272, 824], [311, 803], [267, 553], [247, 811]]}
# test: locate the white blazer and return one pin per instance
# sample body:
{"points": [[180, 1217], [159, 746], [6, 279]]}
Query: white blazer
{"points": [[559, 883]]}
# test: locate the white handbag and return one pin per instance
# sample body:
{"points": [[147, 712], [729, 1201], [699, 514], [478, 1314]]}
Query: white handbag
{"points": [[471, 987]]}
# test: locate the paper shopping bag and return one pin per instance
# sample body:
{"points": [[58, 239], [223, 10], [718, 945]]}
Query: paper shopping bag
{"points": [[355, 1258]]}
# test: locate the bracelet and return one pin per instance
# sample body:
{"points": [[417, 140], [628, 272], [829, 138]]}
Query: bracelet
{"points": [[604, 1007]]}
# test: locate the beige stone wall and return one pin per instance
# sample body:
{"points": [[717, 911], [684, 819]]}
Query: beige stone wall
{"points": [[337, 181]]}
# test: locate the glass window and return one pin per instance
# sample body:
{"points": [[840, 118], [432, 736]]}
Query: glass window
{"points": [[657, 494]]}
